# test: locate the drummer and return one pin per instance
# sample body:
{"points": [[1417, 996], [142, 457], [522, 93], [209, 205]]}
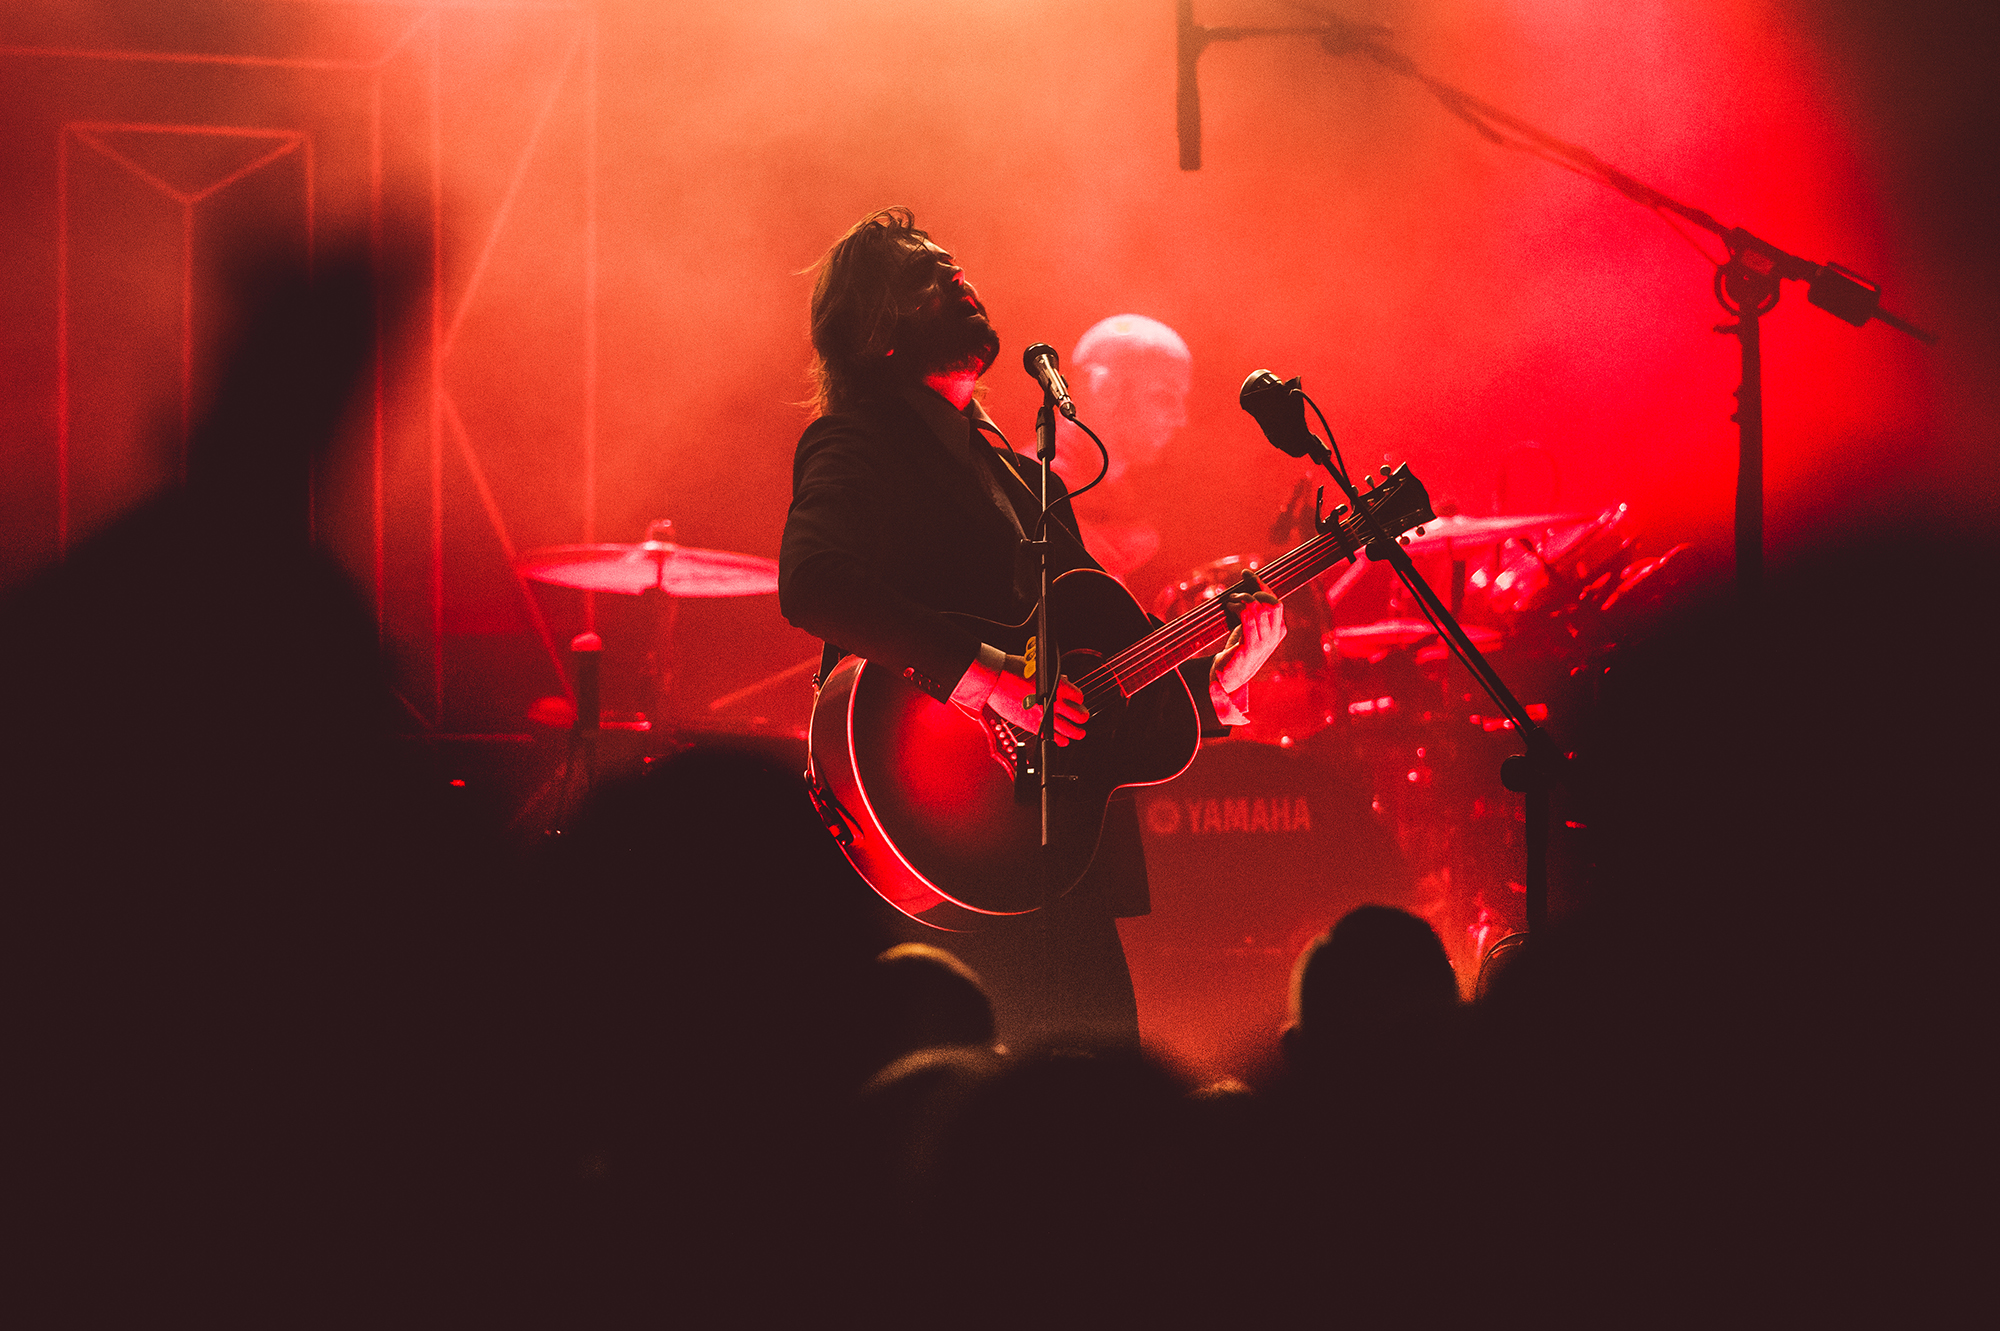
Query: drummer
{"points": [[1129, 376]]}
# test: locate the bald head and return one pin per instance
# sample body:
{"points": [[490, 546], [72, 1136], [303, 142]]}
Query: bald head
{"points": [[1133, 373]]}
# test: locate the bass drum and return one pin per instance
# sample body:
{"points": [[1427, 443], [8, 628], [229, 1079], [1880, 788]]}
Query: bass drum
{"points": [[1250, 853], [1296, 695]]}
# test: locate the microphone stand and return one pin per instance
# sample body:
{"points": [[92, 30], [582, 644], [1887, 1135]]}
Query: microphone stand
{"points": [[1047, 658], [1534, 773], [1746, 284]]}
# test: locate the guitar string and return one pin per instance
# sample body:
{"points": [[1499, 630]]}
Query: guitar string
{"points": [[1172, 641], [1199, 623], [1346, 539]]}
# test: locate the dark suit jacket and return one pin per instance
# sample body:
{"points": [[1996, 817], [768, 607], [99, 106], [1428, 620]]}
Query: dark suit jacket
{"points": [[891, 523]]}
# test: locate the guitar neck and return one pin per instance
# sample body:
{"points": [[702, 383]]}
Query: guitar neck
{"points": [[1204, 627]]}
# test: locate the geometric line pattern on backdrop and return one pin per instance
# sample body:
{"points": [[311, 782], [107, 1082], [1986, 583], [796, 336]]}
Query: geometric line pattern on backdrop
{"points": [[126, 144], [498, 521], [98, 136], [448, 338], [135, 147]]}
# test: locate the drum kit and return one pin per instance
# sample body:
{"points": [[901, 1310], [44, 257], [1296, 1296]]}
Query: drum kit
{"points": [[658, 573], [1365, 689], [630, 666], [1362, 703], [654, 566]]}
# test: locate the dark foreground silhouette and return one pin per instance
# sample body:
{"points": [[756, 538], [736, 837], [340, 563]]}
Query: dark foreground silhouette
{"points": [[291, 1044]]}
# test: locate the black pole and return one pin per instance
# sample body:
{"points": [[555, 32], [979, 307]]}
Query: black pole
{"points": [[1750, 459], [1532, 773], [1531, 778], [1048, 663], [1189, 39], [1747, 286]]}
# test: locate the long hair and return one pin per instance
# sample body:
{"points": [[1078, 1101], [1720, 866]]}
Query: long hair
{"points": [[859, 302]]}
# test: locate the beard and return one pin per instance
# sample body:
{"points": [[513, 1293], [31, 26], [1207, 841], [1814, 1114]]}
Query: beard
{"points": [[956, 337]]}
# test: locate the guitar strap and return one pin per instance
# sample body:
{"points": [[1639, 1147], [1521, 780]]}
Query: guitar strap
{"points": [[1027, 566], [975, 440], [829, 657], [1028, 493], [982, 425]]}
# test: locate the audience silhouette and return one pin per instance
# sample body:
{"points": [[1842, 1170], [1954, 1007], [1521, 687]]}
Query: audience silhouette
{"points": [[292, 1044]]}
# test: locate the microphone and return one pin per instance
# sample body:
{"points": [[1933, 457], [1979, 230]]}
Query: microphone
{"points": [[1188, 43], [1041, 361], [1280, 411]]}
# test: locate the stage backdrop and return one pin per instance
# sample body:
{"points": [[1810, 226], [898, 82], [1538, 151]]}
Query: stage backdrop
{"points": [[617, 200]]}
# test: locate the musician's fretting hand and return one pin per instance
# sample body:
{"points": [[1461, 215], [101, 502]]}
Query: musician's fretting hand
{"points": [[1011, 689], [1256, 627]]}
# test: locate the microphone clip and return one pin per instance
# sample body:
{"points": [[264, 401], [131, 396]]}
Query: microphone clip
{"points": [[1325, 524]]}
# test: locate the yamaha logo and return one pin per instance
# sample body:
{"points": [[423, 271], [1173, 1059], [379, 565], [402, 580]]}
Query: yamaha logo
{"points": [[1165, 817]]}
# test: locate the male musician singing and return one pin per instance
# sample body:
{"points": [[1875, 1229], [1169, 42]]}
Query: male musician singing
{"points": [[907, 501]]}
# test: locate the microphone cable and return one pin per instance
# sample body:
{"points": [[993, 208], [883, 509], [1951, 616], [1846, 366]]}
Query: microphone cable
{"points": [[1102, 471]]}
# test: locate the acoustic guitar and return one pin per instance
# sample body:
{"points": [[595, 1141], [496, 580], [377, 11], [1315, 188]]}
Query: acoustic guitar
{"points": [[940, 810]]}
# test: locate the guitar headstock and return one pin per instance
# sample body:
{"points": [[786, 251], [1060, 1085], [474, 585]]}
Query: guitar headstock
{"points": [[1398, 504]]}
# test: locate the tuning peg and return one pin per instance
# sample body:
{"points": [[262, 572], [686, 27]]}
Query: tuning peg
{"points": [[1420, 531], [1402, 540], [1385, 471], [1340, 510]]}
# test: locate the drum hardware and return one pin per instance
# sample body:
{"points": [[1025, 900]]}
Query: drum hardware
{"points": [[1373, 642], [660, 573], [1296, 696], [1447, 534], [728, 700], [1552, 590], [654, 564], [1560, 610]]}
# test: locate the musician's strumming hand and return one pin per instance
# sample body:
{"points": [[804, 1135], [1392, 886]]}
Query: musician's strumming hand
{"points": [[1011, 690], [1256, 627]]}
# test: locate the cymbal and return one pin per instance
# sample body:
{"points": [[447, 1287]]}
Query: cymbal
{"points": [[677, 570], [1442, 534], [1362, 641]]}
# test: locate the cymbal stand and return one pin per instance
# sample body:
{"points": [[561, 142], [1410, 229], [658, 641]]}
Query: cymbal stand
{"points": [[561, 795], [659, 613]]}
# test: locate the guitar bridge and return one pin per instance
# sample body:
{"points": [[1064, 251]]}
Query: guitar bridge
{"points": [[1015, 749], [1011, 747]]}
